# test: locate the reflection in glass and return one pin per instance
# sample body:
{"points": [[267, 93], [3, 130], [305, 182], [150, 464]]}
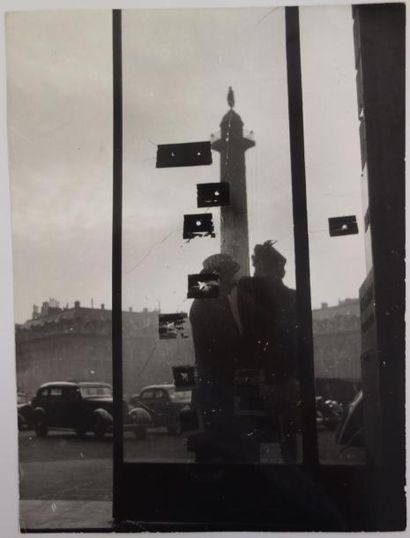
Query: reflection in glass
{"points": [[214, 363]]}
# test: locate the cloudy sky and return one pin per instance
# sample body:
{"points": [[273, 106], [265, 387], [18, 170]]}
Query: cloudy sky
{"points": [[178, 65]]}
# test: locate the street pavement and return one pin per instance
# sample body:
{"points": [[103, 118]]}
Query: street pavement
{"points": [[66, 482], [63, 466], [50, 515]]}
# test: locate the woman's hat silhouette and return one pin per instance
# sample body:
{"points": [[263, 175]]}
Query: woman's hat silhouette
{"points": [[220, 263]]}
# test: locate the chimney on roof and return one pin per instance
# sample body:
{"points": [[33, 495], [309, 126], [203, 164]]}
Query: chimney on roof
{"points": [[76, 304], [323, 305], [44, 308], [130, 309], [102, 306], [35, 311]]}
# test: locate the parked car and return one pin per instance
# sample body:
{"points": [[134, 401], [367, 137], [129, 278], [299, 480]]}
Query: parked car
{"points": [[163, 403], [79, 406], [328, 413], [23, 411]]}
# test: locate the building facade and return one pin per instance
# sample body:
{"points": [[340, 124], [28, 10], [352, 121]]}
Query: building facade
{"points": [[75, 344], [60, 344], [337, 340], [337, 350]]}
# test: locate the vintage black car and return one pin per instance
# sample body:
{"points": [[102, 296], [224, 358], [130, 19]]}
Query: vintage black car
{"points": [[79, 406], [163, 403]]}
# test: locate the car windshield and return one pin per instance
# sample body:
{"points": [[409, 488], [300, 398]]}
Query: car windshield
{"points": [[89, 392], [180, 396]]}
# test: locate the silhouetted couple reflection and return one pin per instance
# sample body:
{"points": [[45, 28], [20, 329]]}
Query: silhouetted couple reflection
{"points": [[246, 358]]}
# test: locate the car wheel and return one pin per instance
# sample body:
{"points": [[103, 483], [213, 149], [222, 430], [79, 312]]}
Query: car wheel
{"points": [[99, 428], [40, 427], [140, 432]]}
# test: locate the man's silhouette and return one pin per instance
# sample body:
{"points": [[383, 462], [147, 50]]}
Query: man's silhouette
{"points": [[269, 344]]}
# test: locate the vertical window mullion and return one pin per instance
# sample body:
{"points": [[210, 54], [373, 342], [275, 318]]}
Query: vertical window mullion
{"points": [[117, 261], [300, 219]]}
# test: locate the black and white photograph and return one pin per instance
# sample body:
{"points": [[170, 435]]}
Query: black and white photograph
{"points": [[208, 260]]}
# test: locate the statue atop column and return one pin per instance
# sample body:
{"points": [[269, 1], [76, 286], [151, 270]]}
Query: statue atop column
{"points": [[232, 144]]}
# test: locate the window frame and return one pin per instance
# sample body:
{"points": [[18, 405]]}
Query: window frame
{"points": [[345, 485]]}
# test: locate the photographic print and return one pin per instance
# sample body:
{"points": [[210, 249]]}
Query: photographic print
{"points": [[172, 325], [234, 367], [212, 194]]}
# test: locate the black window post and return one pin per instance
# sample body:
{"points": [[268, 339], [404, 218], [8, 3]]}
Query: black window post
{"points": [[300, 223], [117, 261]]}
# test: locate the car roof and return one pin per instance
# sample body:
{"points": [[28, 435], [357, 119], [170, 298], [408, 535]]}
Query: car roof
{"points": [[161, 386], [58, 383], [74, 384], [93, 384]]}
